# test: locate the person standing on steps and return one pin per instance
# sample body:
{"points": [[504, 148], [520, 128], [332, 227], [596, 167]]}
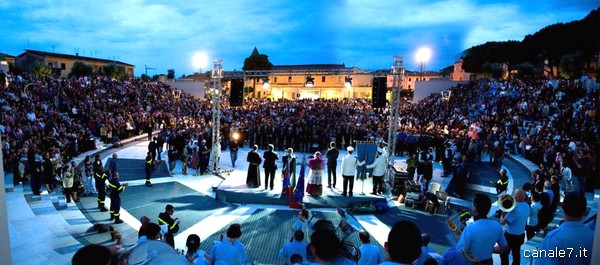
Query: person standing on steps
{"points": [[270, 166], [116, 188], [100, 178], [148, 168], [332, 156]]}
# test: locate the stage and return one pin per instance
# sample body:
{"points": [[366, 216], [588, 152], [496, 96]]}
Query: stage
{"points": [[233, 189]]}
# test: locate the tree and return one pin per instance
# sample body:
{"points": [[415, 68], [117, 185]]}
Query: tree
{"points": [[171, 74], [114, 70], [526, 69], [571, 65], [492, 70], [257, 61], [39, 68], [80, 69]]}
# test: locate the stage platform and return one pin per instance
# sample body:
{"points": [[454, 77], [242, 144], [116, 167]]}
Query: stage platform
{"points": [[233, 189]]}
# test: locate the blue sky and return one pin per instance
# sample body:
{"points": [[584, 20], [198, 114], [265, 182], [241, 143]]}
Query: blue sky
{"points": [[165, 34]]}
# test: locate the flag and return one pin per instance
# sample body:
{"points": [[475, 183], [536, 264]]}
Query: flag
{"points": [[299, 190], [286, 192]]}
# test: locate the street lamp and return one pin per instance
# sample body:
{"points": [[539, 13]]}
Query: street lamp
{"points": [[310, 81], [423, 55], [348, 82], [265, 83]]}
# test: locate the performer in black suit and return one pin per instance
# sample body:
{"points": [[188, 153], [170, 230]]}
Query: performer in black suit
{"points": [[254, 160], [270, 166]]}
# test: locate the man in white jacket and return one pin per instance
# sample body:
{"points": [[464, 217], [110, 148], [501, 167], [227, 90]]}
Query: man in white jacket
{"points": [[349, 164], [379, 167]]}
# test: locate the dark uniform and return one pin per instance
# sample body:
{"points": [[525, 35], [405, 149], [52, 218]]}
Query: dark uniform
{"points": [[100, 178], [115, 189], [164, 218], [332, 156], [148, 168]]}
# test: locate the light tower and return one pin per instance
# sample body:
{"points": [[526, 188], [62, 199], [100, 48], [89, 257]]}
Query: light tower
{"points": [[398, 74], [217, 74]]}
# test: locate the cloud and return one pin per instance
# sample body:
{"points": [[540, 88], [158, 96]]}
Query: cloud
{"points": [[165, 34]]}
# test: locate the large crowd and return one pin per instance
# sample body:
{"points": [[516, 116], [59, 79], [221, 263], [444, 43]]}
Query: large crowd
{"points": [[554, 125]]}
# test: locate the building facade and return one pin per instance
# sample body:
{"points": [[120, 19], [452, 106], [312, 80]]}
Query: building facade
{"points": [[61, 64]]}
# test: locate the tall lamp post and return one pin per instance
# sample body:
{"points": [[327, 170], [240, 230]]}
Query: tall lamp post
{"points": [[423, 55], [217, 74]]}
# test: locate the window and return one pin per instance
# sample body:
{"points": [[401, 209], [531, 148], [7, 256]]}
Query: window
{"points": [[409, 79], [275, 79], [408, 86], [50, 64], [289, 79], [63, 66], [323, 79]]}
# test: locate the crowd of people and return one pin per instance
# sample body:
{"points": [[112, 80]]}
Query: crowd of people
{"points": [[46, 122]]}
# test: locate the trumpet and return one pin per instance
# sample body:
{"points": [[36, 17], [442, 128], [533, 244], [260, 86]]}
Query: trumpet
{"points": [[507, 203]]}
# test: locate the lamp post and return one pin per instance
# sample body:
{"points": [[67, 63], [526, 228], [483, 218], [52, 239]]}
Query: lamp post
{"points": [[423, 55]]}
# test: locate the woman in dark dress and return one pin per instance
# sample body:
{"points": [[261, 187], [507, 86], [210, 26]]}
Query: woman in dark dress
{"points": [[254, 160]]}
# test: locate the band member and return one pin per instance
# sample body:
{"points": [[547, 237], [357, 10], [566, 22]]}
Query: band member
{"points": [[478, 240], [515, 222], [100, 178]]}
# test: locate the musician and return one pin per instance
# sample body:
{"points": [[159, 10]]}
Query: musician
{"points": [[403, 245], [571, 234], [296, 246], [369, 253], [515, 222], [478, 240]]}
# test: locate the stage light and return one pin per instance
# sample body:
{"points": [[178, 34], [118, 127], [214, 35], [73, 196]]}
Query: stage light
{"points": [[236, 136], [199, 60], [310, 81], [422, 56], [348, 82], [265, 83]]}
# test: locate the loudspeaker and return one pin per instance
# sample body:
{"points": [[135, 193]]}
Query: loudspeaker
{"points": [[378, 92], [236, 96]]}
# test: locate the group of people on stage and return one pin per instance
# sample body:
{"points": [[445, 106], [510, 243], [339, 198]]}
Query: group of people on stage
{"points": [[318, 166]]}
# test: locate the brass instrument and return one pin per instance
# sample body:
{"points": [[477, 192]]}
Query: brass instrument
{"points": [[457, 223], [507, 203]]}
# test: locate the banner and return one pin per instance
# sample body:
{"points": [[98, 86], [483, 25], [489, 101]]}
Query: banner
{"points": [[365, 152]]}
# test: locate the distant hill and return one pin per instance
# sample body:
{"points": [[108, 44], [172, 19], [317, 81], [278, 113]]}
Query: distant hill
{"points": [[572, 44]]}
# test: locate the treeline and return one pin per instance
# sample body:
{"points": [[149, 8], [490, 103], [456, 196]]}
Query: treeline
{"points": [[565, 50]]}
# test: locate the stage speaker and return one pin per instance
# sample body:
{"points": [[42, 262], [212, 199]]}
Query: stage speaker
{"points": [[236, 96], [378, 92]]}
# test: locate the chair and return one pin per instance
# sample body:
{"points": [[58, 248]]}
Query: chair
{"points": [[443, 199], [434, 187]]}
